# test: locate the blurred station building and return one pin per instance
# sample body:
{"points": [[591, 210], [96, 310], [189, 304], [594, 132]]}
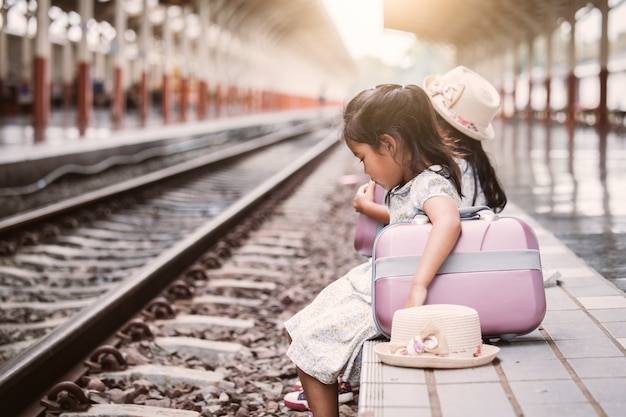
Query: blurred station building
{"points": [[180, 60]]}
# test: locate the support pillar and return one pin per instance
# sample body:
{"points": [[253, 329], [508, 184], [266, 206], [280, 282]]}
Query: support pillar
{"points": [[144, 93], [530, 65], [548, 86], [202, 54], [549, 63], [218, 99], [118, 102], [516, 60], [571, 76], [571, 98], [165, 97], [167, 64], [185, 73], [41, 82], [68, 74], [203, 98], [602, 113], [144, 98], [602, 119], [503, 83], [4, 54], [118, 105], [25, 92], [219, 64], [184, 98], [41, 93], [84, 94]]}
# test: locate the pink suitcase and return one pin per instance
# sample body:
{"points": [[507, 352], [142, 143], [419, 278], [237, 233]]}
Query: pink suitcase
{"points": [[494, 268], [367, 228]]}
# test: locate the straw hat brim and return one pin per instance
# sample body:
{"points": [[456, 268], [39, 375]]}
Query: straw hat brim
{"points": [[488, 133], [488, 353]]}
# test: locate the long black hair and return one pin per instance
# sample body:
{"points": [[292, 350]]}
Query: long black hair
{"points": [[484, 173], [405, 113]]}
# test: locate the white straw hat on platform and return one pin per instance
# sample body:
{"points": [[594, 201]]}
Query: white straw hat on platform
{"points": [[465, 100], [436, 336]]}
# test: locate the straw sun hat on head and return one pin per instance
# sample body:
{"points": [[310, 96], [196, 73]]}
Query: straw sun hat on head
{"points": [[465, 100], [436, 336]]}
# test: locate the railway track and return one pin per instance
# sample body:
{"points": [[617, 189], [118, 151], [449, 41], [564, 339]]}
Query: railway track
{"points": [[148, 257]]}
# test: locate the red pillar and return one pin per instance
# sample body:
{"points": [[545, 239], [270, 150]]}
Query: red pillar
{"points": [[41, 96], [529, 106], [249, 99], [514, 96], [202, 99], [548, 83], [218, 100], [165, 98], [571, 99], [602, 114], [144, 100], [83, 99], [233, 102], [118, 97], [184, 98]]}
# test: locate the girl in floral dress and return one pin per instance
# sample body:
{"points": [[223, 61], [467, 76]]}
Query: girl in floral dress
{"points": [[392, 130]]}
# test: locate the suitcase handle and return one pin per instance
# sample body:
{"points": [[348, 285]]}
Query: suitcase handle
{"points": [[466, 213], [480, 212]]}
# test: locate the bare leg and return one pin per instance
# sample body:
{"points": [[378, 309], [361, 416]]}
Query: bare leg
{"points": [[322, 398]]}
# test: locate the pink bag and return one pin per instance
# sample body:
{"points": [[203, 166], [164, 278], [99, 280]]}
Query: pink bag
{"points": [[494, 268], [367, 228]]}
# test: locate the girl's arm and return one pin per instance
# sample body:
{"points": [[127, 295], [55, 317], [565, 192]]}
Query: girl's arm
{"points": [[364, 203], [446, 228]]}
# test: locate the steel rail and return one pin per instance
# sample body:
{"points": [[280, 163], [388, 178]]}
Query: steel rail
{"points": [[25, 378]]}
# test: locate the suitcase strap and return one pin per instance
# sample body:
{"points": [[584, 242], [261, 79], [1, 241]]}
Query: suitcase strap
{"points": [[466, 213], [503, 260]]}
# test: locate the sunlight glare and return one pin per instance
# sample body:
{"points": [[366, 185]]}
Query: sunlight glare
{"points": [[360, 24]]}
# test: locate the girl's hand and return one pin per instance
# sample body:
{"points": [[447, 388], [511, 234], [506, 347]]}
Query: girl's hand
{"points": [[364, 203], [364, 196], [417, 296]]}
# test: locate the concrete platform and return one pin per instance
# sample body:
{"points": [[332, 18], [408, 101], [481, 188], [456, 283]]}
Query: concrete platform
{"points": [[574, 364], [26, 158]]}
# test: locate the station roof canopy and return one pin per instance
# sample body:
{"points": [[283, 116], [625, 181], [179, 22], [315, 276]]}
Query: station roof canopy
{"points": [[303, 26], [469, 22]]}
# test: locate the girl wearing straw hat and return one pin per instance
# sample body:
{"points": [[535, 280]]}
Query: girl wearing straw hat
{"points": [[466, 105], [393, 131]]}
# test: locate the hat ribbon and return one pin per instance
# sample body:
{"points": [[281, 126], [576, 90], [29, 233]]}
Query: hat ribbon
{"points": [[430, 340], [449, 92]]}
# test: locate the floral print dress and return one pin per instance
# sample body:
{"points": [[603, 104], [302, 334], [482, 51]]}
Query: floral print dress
{"points": [[328, 335]]}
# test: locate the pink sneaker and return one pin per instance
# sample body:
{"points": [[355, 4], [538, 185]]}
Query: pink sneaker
{"points": [[297, 400]]}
